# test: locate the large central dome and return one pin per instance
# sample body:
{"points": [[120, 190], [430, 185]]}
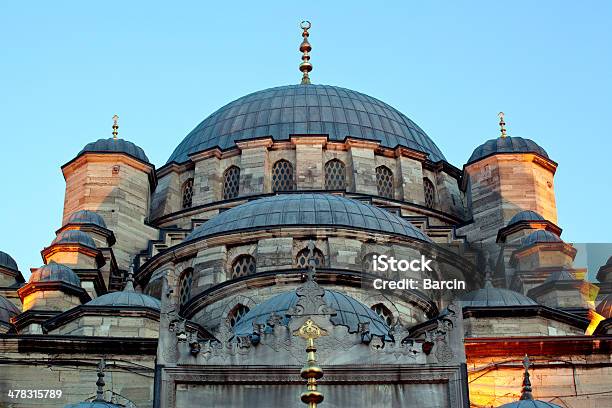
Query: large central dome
{"points": [[306, 110]]}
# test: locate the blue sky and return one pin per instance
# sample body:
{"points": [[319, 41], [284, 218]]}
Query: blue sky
{"points": [[67, 67]]}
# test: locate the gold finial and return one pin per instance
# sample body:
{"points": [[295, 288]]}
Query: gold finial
{"points": [[100, 383], [311, 372], [305, 48], [502, 124], [526, 391], [115, 126]]}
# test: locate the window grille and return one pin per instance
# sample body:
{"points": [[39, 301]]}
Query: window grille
{"points": [[335, 175], [384, 181], [282, 176], [188, 193], [244, 265], [231, 182]]}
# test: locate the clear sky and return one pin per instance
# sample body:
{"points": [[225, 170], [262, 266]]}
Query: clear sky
{"points": [[67, 67]]}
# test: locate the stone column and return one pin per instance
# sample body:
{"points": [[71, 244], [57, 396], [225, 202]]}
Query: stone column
{"points": [[411, 179], [254, 166], [309, 162], [363, 166], [209, 268], [207, 178]]}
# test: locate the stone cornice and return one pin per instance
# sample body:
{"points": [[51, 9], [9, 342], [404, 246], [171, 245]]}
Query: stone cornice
{"points": [[309, 140], [503, 233], [541, 161], [13, 273], [111, 158], [90, 228], [93, 310], [52, 249], [45, 343], [488, 347], [525, 311], [64, 287], [543, 246], [265, 141]]}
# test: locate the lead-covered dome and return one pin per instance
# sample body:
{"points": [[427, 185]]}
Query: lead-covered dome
{"points": [[126, 298], [306, 110], [503, 145], [526, 215], [74, 237], [349, 313], [7, 310], [540, 237], [7, 261], [54, 272], [86, 217], [307, 209], [112, 145], [490, 296]]}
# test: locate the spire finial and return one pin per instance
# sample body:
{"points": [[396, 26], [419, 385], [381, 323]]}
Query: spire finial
{"points": [[311, 372], [129, 281], [502, 124], [305, 48], [526, 392], [100, 383], [115, 126]]}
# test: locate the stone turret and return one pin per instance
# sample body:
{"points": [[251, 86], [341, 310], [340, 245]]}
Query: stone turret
{"points": [[503, 177], [114, 178]]}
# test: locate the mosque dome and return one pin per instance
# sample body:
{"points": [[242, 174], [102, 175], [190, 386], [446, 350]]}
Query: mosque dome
{"points": [[7, 309], [305, 110], [112, 145], [605, 307], [7, 261], [86, 217], [74, 237], [526, 215], [538, 237], [490, 296], [126, 299], [54, 272], [349, 313], [307, 209], [503, 145], [94, 404]]}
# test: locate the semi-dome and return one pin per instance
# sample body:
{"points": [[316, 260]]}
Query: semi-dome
{"points": [[503, 145], [305, 110], [112, 145], [539, 237], [126, 299], [86, 217], [349, 313], [604, 307], [490, 296], [7, 309], [7, 261], [74, 237], [307, 209], [55, 272], [526, 215]]}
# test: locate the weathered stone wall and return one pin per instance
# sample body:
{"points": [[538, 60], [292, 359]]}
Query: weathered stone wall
{"points": [[110, 326], [514, 326], [50, 300]]}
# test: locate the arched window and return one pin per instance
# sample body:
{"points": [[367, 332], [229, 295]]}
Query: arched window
{"points": [[282, 176], [243, 265], [231, 182], [187, 193], [303, 256], [384, 312], [335, 175], [367, 264], [384, 181], [430, 193], [185, 285], [236, 314]]}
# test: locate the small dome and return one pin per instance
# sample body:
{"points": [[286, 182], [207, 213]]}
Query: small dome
{"points": [[7, 309], [115, 146], [306, 110], [74, 237], [7, 261], [126, 299], [350, 312], [526, 215], [538, 237], [307, 209], [86, 217], [530, 404], [605, 307], [503, 145], [490, 296], [54, 272]]}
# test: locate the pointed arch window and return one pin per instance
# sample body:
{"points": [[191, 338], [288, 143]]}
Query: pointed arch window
{"points": [[244, 265], [186, 282], [335, 175], [430, 193], [282, 176], [303, 256], [384, 181], [231, 182], [187, 193], [384, 312], [236, 314]]}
